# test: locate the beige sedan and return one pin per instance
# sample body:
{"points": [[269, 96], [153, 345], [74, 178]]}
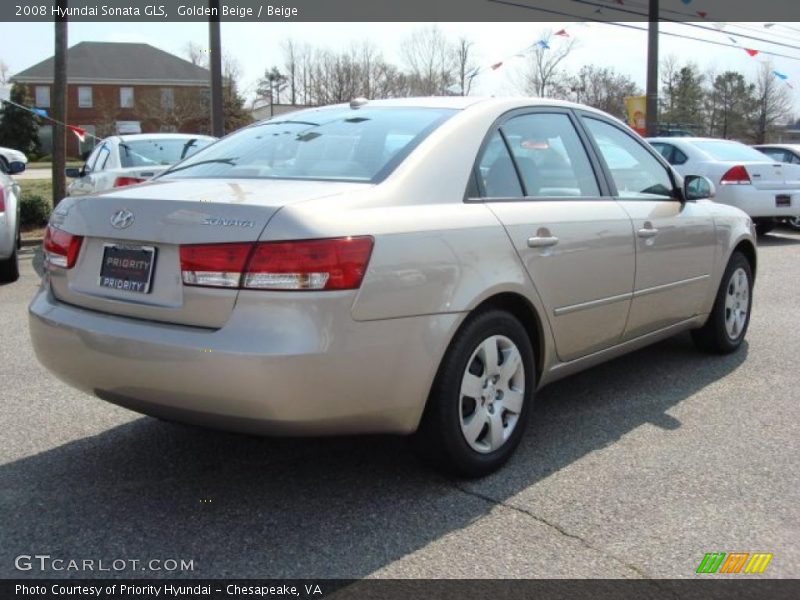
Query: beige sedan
{"points": [[415, 266]]}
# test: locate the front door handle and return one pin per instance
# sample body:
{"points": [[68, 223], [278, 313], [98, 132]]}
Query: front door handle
{"points": [[647, 232], [542, 241]]}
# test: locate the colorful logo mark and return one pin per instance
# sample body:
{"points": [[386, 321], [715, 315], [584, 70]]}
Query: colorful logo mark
{"points": [[734, 562]]}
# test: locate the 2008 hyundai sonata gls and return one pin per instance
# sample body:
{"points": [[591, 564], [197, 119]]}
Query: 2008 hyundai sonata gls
{"points": [[408, 266]]}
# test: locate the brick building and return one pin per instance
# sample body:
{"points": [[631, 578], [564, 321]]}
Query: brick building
{"points": [[122, 88]]}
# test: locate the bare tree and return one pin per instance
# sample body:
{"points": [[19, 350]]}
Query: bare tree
{"points": [[465, 64], [184, 109], [542, 76], [430, 61], [603, 88], [3, 72], [196, 54], [669, 69], [292, 66], [773, 103]]}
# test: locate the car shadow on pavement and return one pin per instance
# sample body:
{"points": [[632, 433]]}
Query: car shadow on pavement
{"points": [[778, 240], [243, 506]]}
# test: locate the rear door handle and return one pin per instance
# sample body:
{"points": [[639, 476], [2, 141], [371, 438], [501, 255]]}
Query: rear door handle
{"points": [[647, 232], [542, 241]]}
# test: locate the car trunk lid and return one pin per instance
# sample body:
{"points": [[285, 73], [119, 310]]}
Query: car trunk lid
{"points": [[152, 221]]}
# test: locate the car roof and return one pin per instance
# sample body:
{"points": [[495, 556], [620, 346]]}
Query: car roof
{"points": [[160, 136], [451, 102], [779, 146], [672, 140]]}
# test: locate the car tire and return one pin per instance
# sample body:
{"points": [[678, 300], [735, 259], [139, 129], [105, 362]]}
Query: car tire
{"points": [[794, 223], [9, 268], [727, 324], [472, 437], [764, 226]]}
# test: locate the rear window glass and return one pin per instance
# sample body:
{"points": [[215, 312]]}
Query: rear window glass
{"points": [[730, 151], [150, 153], [330, 144]]}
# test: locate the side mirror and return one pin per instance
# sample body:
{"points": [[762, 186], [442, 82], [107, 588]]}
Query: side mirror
{"points": [[15, 167], [73, 172], [697, 187]]}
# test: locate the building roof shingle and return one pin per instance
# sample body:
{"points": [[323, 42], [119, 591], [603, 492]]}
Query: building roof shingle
{"points": [[115, 62]]}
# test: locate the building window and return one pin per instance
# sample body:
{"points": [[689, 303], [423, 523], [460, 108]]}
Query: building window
{"points": [[167, 98], [43, 96], [84, 97], [126, 97]]}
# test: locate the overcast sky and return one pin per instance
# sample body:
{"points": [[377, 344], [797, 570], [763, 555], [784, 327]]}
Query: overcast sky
{"points": [[257, 45]]}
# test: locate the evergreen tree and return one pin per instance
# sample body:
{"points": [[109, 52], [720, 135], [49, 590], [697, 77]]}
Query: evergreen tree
{"points": [[236, 116], [19, 128]]}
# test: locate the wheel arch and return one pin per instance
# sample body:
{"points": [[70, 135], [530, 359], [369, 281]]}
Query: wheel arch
{"points": [[522, 309], [748, 249]]}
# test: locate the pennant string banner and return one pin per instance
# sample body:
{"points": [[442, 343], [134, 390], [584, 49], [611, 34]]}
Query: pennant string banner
{"points": [[80, 133]]}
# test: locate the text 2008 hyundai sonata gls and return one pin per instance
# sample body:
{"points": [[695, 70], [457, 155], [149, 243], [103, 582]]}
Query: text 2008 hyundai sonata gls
{"points": [[408, 266]]}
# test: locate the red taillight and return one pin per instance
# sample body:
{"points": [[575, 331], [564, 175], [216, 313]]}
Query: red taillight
{"points": [[735, 176], [330, 264], [61, 248], [334, 264], [2, 200], [214, 265], [123, 181]]}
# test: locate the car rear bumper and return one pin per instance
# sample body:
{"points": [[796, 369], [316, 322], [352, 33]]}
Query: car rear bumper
{"points": [[287, 367], [759, 203]]}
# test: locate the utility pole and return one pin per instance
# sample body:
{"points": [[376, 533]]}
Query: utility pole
{"points": [[59, 106], [215, 62], [651, 123]]}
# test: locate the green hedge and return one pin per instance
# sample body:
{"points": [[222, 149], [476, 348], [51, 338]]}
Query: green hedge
{"points": [[33, 211]]}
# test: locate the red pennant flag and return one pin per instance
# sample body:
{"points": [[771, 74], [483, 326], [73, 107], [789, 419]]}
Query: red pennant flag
{"points": [[496, 66], [562, 32], [79, 133], [751, 52]]}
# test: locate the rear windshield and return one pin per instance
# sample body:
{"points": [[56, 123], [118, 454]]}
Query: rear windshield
{"points": [[731, 151], [150, 153], [339, 144]]}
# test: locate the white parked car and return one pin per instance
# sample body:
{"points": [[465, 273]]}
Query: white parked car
{"points": [[9, 220], [123, 160], [9, 155], [785, 153], [764, 188]]}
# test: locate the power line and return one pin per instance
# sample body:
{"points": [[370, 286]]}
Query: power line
{"points": [[573, 16], [616, 8]]}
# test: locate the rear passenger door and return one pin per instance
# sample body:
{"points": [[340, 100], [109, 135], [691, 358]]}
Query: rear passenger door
{"points": [[535, 174], [675, 240]]}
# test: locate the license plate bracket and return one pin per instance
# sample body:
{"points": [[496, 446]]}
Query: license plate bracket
{"points": [[783, 200], [127, 267]]}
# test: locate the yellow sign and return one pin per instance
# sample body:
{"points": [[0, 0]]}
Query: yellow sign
{"points": [[636, 107]]}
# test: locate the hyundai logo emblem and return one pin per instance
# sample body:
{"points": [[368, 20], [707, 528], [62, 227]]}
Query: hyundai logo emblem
{"points": [[122, 219]]}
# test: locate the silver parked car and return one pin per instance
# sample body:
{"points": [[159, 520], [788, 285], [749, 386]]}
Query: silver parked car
{"points": [[9, 220], [764, 188], [416, 266], [122, 160], [785, 153]]}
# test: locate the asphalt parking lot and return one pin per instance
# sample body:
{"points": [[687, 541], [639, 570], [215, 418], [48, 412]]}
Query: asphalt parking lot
{"points": [[636, 468]]}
